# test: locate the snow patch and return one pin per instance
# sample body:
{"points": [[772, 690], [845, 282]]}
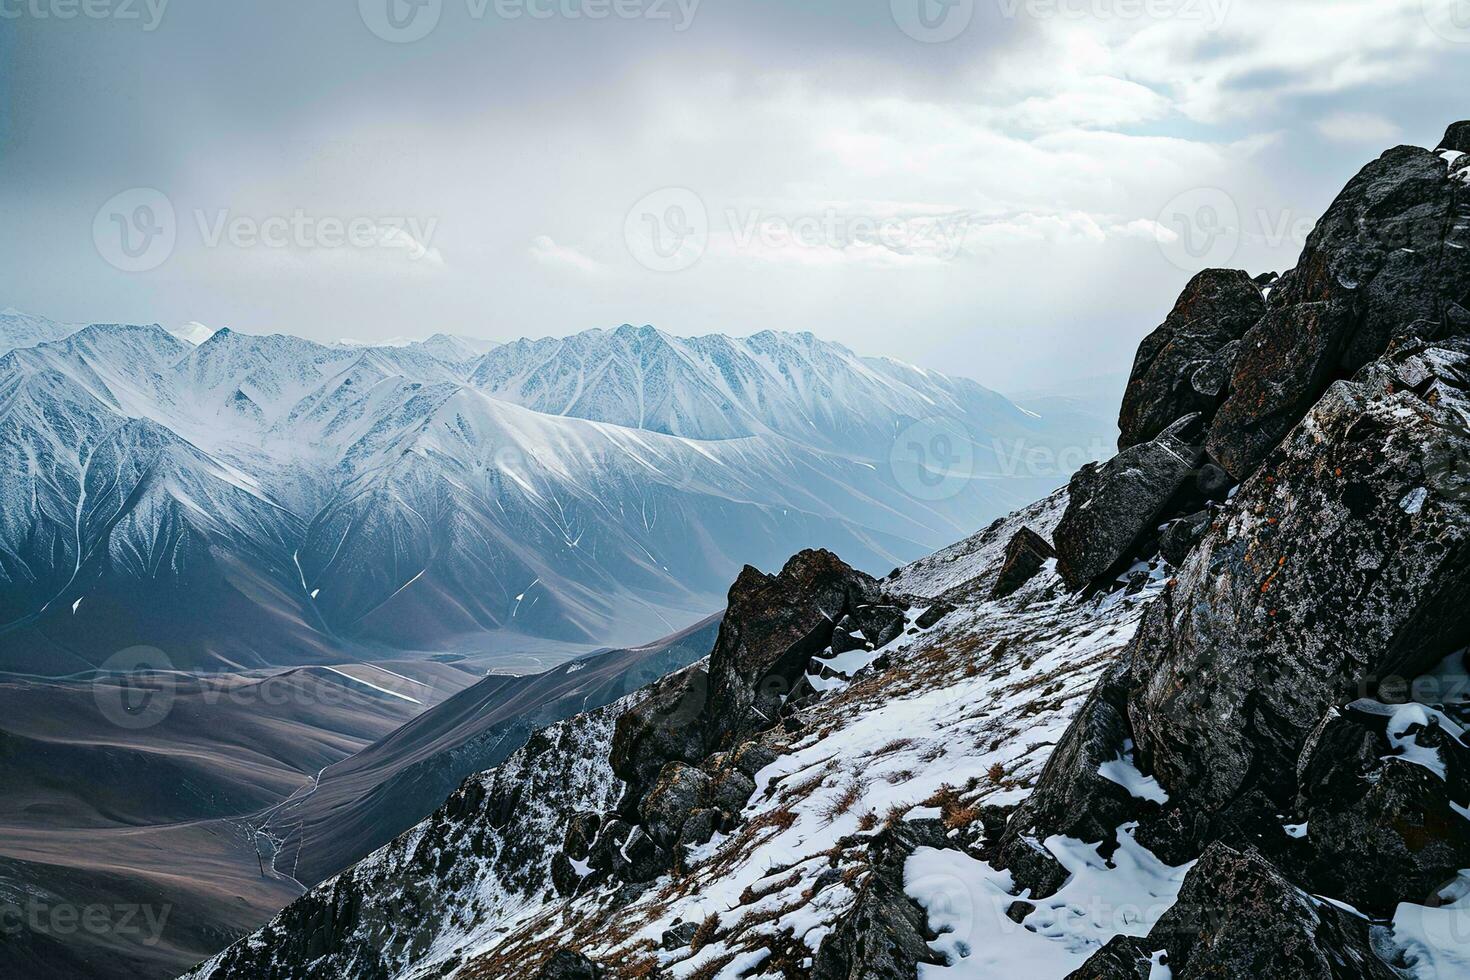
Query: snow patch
{"points": [[967, 901]]}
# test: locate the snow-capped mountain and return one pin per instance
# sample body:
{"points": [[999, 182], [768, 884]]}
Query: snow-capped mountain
{"points": [[303, 498], [19, 329], [718, 387]]}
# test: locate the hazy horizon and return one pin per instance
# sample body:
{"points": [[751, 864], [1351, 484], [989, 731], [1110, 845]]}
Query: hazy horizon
{"points": [[1008, 190]]}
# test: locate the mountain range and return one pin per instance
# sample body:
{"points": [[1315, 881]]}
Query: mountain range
{"points": [[255, 501]]}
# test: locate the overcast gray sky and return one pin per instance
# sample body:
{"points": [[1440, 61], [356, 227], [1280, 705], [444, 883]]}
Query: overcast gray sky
{"points": [[1014, 190]]}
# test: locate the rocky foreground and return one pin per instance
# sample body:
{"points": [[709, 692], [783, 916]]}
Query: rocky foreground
{"points": [[1202, 714]]}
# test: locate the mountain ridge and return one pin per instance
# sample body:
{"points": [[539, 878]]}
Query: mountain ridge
{"points": [[408, 508]]}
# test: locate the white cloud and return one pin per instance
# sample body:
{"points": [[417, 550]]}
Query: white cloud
{"points": [[546, 251]]}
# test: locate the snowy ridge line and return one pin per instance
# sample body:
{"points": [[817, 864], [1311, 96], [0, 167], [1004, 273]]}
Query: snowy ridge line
{"points": [[333, 476]]}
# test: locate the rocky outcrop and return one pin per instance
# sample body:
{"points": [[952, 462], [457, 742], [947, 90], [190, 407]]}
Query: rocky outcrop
{"points": [[1380, 812], [1456, 138], [1238, 918], [1184, 366], [1338, 563], [1072, 797], [1025, 555], [1389, 261], [1392, 253], [1114, 504], [686, 753], [667, 727], [773, 626], [885, 935], [1254, 693], [566, 964], [1121, 958]]}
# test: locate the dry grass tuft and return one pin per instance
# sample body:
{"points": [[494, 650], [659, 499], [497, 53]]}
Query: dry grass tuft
{"points": [[705, 934], [846, 799]]}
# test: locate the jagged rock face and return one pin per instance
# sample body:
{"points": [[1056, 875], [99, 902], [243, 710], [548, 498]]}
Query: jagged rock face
{"points": [[1340, 562], [681, 786], [1072, 797], [1112, 504], [565, 964], [1181, 535], [1457, 137], [1122, 958], [1025, 555], [1393, 249], [885, 935], [1184, 365], [773, 626], [667, 727], [1237, 918], [1383, 827]]}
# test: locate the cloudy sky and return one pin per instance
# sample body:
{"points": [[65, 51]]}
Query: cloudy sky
{"points": [[1009, 189]]}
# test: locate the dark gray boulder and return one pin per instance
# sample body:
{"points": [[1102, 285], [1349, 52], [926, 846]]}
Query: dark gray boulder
{"points": [[880, 622], [1181, 535], [1392, 249], [1382, 827], [1121, 958], [1238, 918], [565, 964], [698, 829], [1184, 365], [730, 789], [679, 935], [751, 757], [937, 611], [667, 726], [848, 636], [885, 934], [679, 791], [773, 626], [1025, 555], [1113, 505], [1457, 137], [1072, 797]]}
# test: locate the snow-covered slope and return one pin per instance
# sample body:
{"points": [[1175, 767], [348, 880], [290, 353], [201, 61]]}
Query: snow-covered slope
{"points": [[947, 720], [598, 490], [18, 329]]}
